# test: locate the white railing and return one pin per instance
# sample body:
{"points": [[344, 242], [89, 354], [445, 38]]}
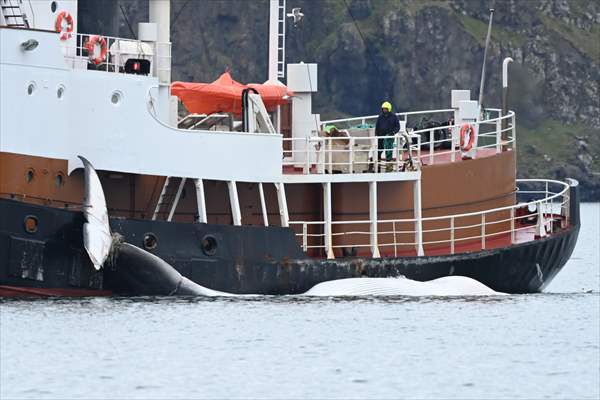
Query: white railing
{"points": [[477, 230], [356, 154], [486, 138], [110, 54], [344, 123], [320, 154]]}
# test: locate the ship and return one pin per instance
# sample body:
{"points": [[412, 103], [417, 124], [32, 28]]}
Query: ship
{"points": [[249, 191]]}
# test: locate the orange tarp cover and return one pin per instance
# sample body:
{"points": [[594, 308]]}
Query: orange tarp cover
{"points": [[225, 95]]}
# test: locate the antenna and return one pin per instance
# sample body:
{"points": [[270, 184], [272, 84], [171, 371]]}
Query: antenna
{"points": [[487, 42]]}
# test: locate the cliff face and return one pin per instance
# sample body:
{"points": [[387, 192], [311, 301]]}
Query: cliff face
{"points": [[412, 53]]}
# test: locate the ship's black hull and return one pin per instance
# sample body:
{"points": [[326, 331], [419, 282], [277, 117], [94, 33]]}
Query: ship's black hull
{"points": [[246, 259]]}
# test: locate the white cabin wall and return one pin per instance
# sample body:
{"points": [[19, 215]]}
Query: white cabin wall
{"points": [[40, 15], [123, 137]]}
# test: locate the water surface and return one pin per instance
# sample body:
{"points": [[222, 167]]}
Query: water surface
{"points": [[523, 346]]}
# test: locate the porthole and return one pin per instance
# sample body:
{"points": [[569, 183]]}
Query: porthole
{"points": [[31, 224], [116, 98], [209, 245], [29, 175], [150, 242], [59, 180], [53, 6], [60, 92], [31, 86]]}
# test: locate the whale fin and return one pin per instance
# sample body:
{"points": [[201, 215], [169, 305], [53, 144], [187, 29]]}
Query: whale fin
{"points": [[97, 239]]}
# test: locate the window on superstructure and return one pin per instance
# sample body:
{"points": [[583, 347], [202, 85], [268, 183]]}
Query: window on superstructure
{"points": [[31, 88], [29, 175]]}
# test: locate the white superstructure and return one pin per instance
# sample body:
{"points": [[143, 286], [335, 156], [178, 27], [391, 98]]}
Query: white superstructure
{"points": [[63, 97]]}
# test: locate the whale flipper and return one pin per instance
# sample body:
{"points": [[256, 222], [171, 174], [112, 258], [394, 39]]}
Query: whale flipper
{"points": [[97, 239]]}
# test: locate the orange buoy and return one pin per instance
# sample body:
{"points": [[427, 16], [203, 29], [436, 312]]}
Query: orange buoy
{"points": [[64, 15], [464, 130], [90, 45]]}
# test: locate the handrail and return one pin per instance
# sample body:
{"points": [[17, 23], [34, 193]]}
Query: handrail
{"points": [[402, 114], [309, 152], [541, 211], [158, 53]]}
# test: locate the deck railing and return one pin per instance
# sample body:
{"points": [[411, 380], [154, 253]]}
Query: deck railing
{"points": [[355, 154], [118, 51], [543, 215], [319, 154]]}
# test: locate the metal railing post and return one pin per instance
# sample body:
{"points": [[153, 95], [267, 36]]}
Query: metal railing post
{"points": [[514, 132], [351, 157], [498, 136], [451, 235], [419, 150], [304, 236], [397, 142], [307, 155], [452, 144], [483, 231], [418, 217], [330, 155], [431, 147], [376, 156], [373, 219], [395, 239], [512, 225], [327, 212]]}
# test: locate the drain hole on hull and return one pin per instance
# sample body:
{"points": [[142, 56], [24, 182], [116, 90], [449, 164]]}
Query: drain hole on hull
{"points": [[209, 245], [150, 242], [31, 224]]}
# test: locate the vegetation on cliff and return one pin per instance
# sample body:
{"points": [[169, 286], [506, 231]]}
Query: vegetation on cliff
{"points": [[413, 52]]}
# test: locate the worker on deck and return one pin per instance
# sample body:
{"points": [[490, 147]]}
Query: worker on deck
{"points": [[387, 126]]}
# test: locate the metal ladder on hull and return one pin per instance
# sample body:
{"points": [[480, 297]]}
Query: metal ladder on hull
{"points": [[169, 198], [12, 9]]}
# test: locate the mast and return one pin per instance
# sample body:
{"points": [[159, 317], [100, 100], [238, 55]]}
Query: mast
{"points": [[276, 39], [487, 42], [160, 14]]}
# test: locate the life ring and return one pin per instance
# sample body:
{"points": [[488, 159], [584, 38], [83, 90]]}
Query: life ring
{"points": [[467, 128], [58, 25], [90, 45]]}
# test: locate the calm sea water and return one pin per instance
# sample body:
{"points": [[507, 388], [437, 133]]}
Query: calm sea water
{"points": [[527, 346]]}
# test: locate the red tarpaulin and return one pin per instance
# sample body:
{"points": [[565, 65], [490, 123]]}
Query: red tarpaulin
{"points": [[225, 95]]}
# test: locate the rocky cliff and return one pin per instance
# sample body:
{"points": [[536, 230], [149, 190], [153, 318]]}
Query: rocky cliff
{"points": [[412, 53]]}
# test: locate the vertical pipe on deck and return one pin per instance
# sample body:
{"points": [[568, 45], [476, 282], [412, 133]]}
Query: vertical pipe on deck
{"points": [[282, 202], [159, 12], [373, 218], [418, 217], [234, 202], [327, 217], [201, 201], [263, 204]]}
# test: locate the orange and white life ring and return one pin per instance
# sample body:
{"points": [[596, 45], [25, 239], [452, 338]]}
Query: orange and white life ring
{"points": [[90, 45], [64, 15], [464, 130]]}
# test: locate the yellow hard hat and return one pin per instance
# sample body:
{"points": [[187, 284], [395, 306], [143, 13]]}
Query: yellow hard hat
{"points": [[387, 105]]}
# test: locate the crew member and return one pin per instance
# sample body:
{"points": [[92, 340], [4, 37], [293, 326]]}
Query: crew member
{"points": [[387, 125]]}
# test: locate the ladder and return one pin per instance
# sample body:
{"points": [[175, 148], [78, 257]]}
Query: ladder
{"points": [[281, 39], [169, 198], [11, 9]]}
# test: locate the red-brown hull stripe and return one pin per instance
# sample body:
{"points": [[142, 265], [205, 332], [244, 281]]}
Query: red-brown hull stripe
{"points": [[19, 291]]}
